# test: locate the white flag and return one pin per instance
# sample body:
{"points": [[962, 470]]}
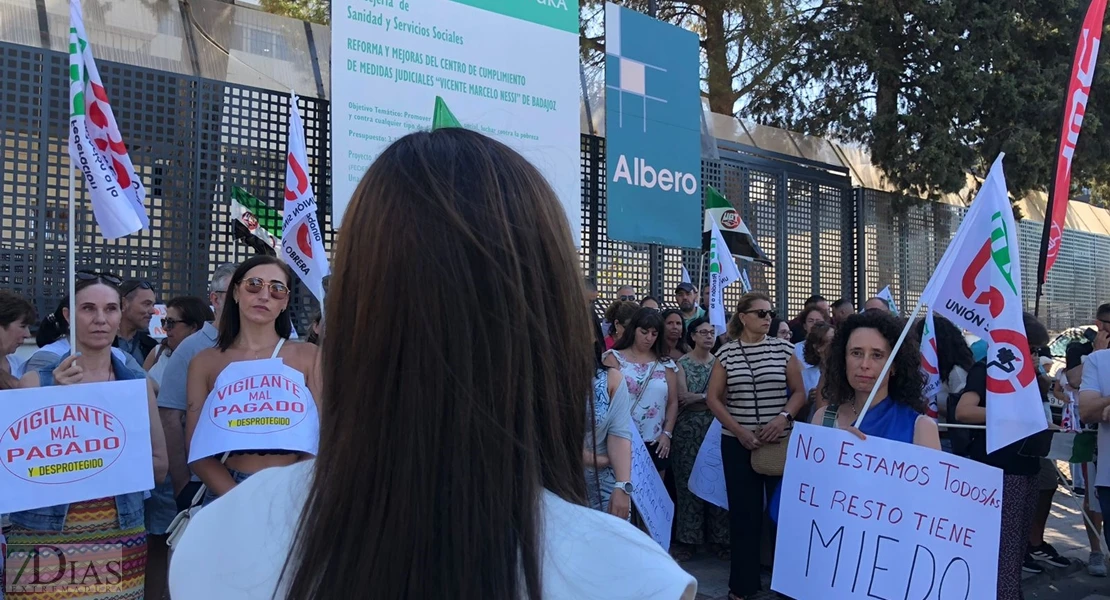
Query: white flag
{"points": [[302, 240], [685, 275], [978, 287], [722, 271], [930, 364], [95, 144]]}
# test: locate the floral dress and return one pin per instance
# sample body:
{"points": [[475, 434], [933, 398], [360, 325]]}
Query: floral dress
{"points": [[649, 408]]}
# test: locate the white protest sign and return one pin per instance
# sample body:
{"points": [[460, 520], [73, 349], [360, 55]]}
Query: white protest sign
{"points": [[649, 494], [707, 480], [882, 519], [257, 405], [157, 330], [63, 444]]}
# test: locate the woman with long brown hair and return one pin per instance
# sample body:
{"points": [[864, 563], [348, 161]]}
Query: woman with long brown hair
{"points": [[254, 325], [450, 461]]}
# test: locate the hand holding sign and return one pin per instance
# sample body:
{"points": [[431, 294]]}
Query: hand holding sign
{"points": [[69, 372], [884, 519]]}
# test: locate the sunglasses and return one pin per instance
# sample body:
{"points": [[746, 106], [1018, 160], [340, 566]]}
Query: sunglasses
{"points": [[94, 276], [761, 314], [169, 323], [135, 285], [626, 298], [278, 290]]}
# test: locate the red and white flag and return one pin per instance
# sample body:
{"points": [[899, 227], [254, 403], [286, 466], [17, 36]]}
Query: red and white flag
{"points": [[96, 147], [1075, 107], [302, 239], [930, 364]]}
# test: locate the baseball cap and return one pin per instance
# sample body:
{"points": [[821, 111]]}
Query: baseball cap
{"points": [[685, 287]]}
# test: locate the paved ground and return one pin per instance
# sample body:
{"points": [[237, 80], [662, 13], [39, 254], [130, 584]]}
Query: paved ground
{"points": [[1065, 532]]}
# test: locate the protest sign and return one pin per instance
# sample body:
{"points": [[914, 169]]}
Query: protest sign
{"points": [[650, 495], [63, 444], [876, 518], [156, 329], [707, 480], [257, 405]]}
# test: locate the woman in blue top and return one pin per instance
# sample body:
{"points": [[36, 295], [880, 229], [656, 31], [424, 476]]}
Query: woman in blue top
{"points": [[852, 366]]}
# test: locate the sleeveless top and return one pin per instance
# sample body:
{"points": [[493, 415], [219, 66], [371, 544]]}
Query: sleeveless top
{"points": [[697, 374], [310, 408], [649, 408], [888, 419]]}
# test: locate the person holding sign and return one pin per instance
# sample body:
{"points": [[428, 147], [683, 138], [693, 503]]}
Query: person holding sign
{"points": [[858, 352], [451, 468], [748, 394], [84, 527], [256, 415]]}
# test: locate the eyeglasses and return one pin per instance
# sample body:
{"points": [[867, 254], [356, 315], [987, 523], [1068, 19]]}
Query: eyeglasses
{"points": [[169, 323], [627, 298], [94, 275], [705, 332], [135, 284], [278, 290], [761, 314]]}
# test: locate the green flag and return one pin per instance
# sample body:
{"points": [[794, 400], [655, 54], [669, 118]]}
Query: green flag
{"points": [[442, 117], [733, 230], [256, 217]]}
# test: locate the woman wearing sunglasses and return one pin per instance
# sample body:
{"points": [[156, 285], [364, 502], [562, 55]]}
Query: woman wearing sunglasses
{"points": [[748, 394], [185, 315], [254, 325]]}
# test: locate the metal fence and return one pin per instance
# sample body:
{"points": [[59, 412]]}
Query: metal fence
{"points": [[192, 138]]}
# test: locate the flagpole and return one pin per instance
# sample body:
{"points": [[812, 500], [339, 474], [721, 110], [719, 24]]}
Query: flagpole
{"points": [[890, 360], [701, 274], [72, 270]]}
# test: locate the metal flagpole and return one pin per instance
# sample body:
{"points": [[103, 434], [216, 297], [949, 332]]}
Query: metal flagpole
{"points": [[71, 260], [701, 275]]}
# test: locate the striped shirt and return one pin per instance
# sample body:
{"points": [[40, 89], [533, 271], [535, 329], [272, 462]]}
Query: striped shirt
{"points": [[756, 391]]}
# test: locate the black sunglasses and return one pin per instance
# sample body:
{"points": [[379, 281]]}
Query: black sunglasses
{"points": [[95, 276], [761, 314], [135, 284]]}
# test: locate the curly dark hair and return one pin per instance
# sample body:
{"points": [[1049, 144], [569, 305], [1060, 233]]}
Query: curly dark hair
{"points": [[619, 312], [952, 348], [905, 382], [815, 338]]}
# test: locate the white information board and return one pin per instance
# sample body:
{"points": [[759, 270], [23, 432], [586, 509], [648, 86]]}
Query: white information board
{"points": [[506, 68], [881, 519]]}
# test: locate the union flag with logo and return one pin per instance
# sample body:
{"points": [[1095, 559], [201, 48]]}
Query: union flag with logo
{"points": [[978, 287], [302, 239]]}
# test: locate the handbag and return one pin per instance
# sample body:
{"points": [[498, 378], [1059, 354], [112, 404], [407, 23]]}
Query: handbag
{"points": [[181, 521], [770, 458]]}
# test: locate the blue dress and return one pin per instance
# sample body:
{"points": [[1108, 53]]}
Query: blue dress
{"points": [[890, 420]]}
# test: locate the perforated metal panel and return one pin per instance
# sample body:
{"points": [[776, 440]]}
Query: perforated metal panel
{"points": [[190, 140]]}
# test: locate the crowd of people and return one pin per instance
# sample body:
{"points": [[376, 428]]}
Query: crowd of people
{"points": [[471, 444]]}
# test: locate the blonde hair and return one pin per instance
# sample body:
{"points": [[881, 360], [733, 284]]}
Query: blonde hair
{"points": [[735, 325]]}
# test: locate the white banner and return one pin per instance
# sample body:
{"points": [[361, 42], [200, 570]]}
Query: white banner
{"points": [[649, 494], [63, 444], [157, 331], [507, 69], [257, 405], [707, 480], [883, 519]]}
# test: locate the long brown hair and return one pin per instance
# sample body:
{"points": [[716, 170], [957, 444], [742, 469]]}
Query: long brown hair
{"points": [[229, 319], [446, 418]]}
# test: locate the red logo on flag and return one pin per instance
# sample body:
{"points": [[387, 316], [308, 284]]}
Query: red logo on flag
{"points": [[1015, 349], [992, 297], [304, 240], [302, 180], [730, 219]]}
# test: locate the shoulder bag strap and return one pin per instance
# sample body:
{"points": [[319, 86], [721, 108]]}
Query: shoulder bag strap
{"points": [[644, 384], [755, 397], [203, 487]]}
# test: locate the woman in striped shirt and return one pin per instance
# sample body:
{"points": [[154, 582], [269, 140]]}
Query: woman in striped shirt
{"points": [[748, 394]]}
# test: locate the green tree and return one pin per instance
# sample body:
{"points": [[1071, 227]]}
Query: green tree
{"points": [[315, 11], [936, 88]]}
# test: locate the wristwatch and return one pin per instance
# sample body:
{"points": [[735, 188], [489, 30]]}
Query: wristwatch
{"points": [[789, 417], [624, 486]]}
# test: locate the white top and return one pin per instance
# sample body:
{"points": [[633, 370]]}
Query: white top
{"points": [[235, 548], [1096, 378], [159, 367]]}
